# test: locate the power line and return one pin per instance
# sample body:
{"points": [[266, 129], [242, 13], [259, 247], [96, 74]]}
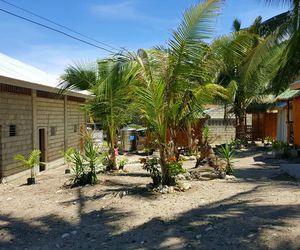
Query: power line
{"points": [[56, 30], [57, 24]]}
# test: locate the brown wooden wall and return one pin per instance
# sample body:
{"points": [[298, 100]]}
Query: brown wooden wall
{"points": [[263, 125], [182, 135], [296, 114]]}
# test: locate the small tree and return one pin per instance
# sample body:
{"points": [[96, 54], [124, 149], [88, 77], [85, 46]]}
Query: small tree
{"points": [[32, 160]]}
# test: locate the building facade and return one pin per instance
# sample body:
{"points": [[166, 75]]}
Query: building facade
{"points": [[35, 116]]}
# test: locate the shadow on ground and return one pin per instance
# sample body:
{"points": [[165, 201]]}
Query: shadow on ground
{"points": [[231, 223]]}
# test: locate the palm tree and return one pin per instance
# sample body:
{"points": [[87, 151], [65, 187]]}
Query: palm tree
{"points": [[173, 85], [109, 85], [284, 31], [235, 53]]}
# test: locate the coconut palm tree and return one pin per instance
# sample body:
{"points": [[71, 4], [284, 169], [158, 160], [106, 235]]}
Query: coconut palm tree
{"points": [[284, 31], [235, 53], [109, 85], [174, 83]]}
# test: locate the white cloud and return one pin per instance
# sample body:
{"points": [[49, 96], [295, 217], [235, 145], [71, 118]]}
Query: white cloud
{"points": [[125, 10]]}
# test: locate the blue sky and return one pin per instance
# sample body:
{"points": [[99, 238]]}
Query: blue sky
{"points": [[120, 23]]}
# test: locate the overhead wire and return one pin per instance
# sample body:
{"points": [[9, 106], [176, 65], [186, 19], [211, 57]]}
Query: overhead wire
{"points": [[58, 24], [56, 30]]}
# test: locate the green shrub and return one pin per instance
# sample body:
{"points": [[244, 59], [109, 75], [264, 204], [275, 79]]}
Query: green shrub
{"points": [[152, 166], [32, 160], [227, 154], [85, 163]]}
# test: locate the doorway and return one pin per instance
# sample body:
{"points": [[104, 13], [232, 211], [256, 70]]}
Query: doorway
{"points": [[42, 148]]}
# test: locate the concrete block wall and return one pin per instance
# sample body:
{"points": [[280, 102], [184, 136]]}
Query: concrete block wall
{"points": [[50, 113], [30, 113], [75, 118], [15, 110]]}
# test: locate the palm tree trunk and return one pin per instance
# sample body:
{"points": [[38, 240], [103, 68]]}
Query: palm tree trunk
{"points": [[166, 178]]}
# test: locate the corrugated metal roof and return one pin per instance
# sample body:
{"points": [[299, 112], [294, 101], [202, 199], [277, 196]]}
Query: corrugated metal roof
{"points": [[288, 94], [12, 68]]}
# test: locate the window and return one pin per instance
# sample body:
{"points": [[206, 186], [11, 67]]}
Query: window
{"points": [[52, 131], [12, 130], [75, 128]]}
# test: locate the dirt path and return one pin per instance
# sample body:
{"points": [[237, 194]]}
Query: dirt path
{"points": [[253, 211]]}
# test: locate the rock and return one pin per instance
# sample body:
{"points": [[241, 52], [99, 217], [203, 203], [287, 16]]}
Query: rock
{"points": [[250, 235], [208, 228], [9, 198], [74, 232], [223, 175], [165, 191], [198, 236], [65, 235], [180, 177], [230, 177], [74, 202], [171, 190], [57, 245], [184, 186]]}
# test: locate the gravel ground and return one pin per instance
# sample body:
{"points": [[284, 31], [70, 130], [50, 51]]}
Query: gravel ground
{"points": [[259, 209]]}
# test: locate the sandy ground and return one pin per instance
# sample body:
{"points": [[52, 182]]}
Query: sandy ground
{"points": [[260, 209]]}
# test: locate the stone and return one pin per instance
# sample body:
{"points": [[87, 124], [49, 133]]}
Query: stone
{"points": [[180, 177], [171, 190], [230, 177], [198, 236], [74, 232], [184, 186], [9, 198], [208, 228], [223, 175], [65, 235]]}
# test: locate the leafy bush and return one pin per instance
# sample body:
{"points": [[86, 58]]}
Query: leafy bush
{"points": [[281, 147], [32, 160], [175, 167], [152, 166], [206, 133], [227, 154], [238, 143], [122, 162], [268, 140], [85, 163]]}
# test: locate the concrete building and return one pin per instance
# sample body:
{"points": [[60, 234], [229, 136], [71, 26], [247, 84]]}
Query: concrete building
{"points": [[34, 116]]}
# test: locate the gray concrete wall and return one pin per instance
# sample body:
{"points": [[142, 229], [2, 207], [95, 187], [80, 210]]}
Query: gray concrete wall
{"points": [[29, 114], [15, 110]]}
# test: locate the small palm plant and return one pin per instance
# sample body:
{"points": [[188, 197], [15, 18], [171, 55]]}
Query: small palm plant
{"points": [[68, 158], [32, 160], [227, 154]]}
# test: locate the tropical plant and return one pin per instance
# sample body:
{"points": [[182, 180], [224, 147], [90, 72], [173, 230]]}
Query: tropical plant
{"points": [[122, 162], [85, 162], [67, 155], [109, 84], [227, 154], [283, 31], [31, 161], [152, 166], [175, 168], [174, 82], [206, 135], [235, 52]]}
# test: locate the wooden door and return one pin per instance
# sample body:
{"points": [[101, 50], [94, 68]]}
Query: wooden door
{"points": [[42, 147]]}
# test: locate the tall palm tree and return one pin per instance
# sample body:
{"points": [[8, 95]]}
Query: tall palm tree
{"points": [[282, 30], [172, 84], [235, 52], [109, 85]]}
